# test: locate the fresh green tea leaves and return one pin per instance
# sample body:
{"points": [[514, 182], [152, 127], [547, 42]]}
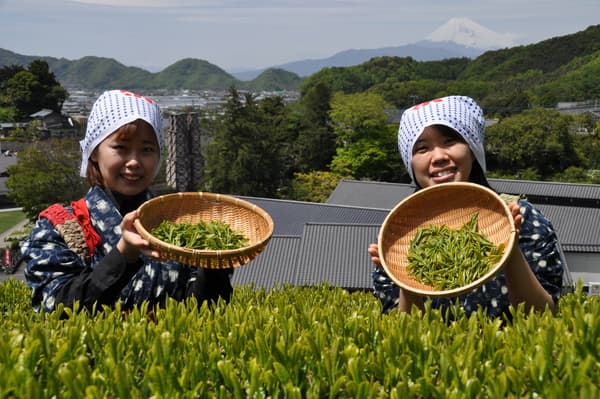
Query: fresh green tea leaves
{"points": [[446, 258], [213, 235], [297, 342]]}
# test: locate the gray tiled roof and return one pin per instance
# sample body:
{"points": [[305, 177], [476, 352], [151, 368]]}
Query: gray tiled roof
{"points": [[291, 216], [386, 195], [551, 192], [316, 243], [275, 266], [577, 226], [336, 254], [370, 194]]}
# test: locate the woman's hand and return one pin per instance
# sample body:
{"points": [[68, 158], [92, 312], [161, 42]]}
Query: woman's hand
{"points": [[515, 209], [522, 284], [374, 252], [407, 299], [131, 243]]}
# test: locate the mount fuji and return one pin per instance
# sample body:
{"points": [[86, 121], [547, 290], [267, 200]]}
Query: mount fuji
{"points": [[458, 37], [468, 33]]}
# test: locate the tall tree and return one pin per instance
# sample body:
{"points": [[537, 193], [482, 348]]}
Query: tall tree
{"points": [[537, 140], [314, 144], [367, 144], [245, 156], [46, 172], [29, 90], [7, 72], [315, 186]]}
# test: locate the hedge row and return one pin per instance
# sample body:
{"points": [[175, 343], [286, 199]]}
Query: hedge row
{"points": [[294, 342]]}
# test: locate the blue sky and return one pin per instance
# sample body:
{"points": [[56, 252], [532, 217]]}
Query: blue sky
{"points": [[246, 34]]}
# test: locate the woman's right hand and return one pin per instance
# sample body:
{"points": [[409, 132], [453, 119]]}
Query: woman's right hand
{"points": [[132, 243], [407, 299]]}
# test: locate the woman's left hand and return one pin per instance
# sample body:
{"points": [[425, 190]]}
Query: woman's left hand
{"points": [[515, 209]]}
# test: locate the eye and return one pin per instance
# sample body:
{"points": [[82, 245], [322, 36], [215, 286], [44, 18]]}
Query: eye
{"points": [[118, 146], [150, 148], [420, 148], [450, 140]]}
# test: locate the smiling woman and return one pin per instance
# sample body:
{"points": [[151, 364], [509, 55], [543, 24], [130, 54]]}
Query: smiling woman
{"points": [[441, 142], [89, 251]]}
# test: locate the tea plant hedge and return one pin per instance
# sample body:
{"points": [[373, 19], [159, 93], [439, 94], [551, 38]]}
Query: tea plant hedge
{"points": [[293, 342]]}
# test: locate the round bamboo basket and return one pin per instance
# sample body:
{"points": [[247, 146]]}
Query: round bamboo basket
{"points": [[192, 207], [450, 204]]}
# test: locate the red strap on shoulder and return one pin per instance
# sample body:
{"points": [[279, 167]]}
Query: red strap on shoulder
{"points": [[82, 214], [56, 214]]}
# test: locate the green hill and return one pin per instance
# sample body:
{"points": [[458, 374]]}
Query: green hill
{"points": [[97, 73], [545, 56], [504, 81], [274, 79], [558, 69], [9, 58], [191, 73]]}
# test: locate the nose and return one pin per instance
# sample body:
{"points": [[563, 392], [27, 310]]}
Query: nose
{"points": [[438, 155], [133, 160]]}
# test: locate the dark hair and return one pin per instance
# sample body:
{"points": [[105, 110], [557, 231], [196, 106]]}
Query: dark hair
{"points": [[477, 175]]}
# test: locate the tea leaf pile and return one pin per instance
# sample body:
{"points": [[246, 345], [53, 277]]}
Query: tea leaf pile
{"points": [[446, 258], [213, 235]]}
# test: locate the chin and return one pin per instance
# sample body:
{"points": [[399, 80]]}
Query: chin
{"points": [[445, 179], [130, 191]]}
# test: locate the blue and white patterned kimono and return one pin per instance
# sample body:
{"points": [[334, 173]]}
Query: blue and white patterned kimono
{"points": [[57, 274], [539, 244]]}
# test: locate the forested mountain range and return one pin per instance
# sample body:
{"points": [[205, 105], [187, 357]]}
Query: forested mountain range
{"points": [[424, 50], [565, 68], [100, 73]]}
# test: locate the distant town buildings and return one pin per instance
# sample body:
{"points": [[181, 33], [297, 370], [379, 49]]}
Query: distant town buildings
{"points": [[80, 102]]}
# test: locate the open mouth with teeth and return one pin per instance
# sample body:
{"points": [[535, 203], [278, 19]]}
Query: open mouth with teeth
{"points": [[443, 173]]}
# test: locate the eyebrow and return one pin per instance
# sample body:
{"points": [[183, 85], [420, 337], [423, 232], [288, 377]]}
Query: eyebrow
{"points": [[419, 141]]}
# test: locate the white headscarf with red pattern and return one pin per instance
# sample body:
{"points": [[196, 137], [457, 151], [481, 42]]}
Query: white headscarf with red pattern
{"points": [[113, 109], [459, 113]]}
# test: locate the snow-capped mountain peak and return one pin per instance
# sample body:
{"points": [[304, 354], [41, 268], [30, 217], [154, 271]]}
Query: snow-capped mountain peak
{"points": [[468, 33]]}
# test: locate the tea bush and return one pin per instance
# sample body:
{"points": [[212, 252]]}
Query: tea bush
{"points": [[295, 342]]}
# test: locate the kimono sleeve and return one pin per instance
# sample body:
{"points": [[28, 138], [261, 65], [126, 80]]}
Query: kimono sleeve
{"points": [[49, 263]]}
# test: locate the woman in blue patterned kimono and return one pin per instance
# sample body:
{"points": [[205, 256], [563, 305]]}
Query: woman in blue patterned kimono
{"points": [[89, 251], [442, 141]]}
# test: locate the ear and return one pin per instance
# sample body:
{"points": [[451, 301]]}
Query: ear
{"points": [[94, 155]]}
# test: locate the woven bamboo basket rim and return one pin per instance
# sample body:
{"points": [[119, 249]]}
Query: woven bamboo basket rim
{"points": [[257, 226], [452, 204]]}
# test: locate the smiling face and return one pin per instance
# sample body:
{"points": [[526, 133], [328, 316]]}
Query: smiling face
{"points": [[441, 155], [128, 159]]}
